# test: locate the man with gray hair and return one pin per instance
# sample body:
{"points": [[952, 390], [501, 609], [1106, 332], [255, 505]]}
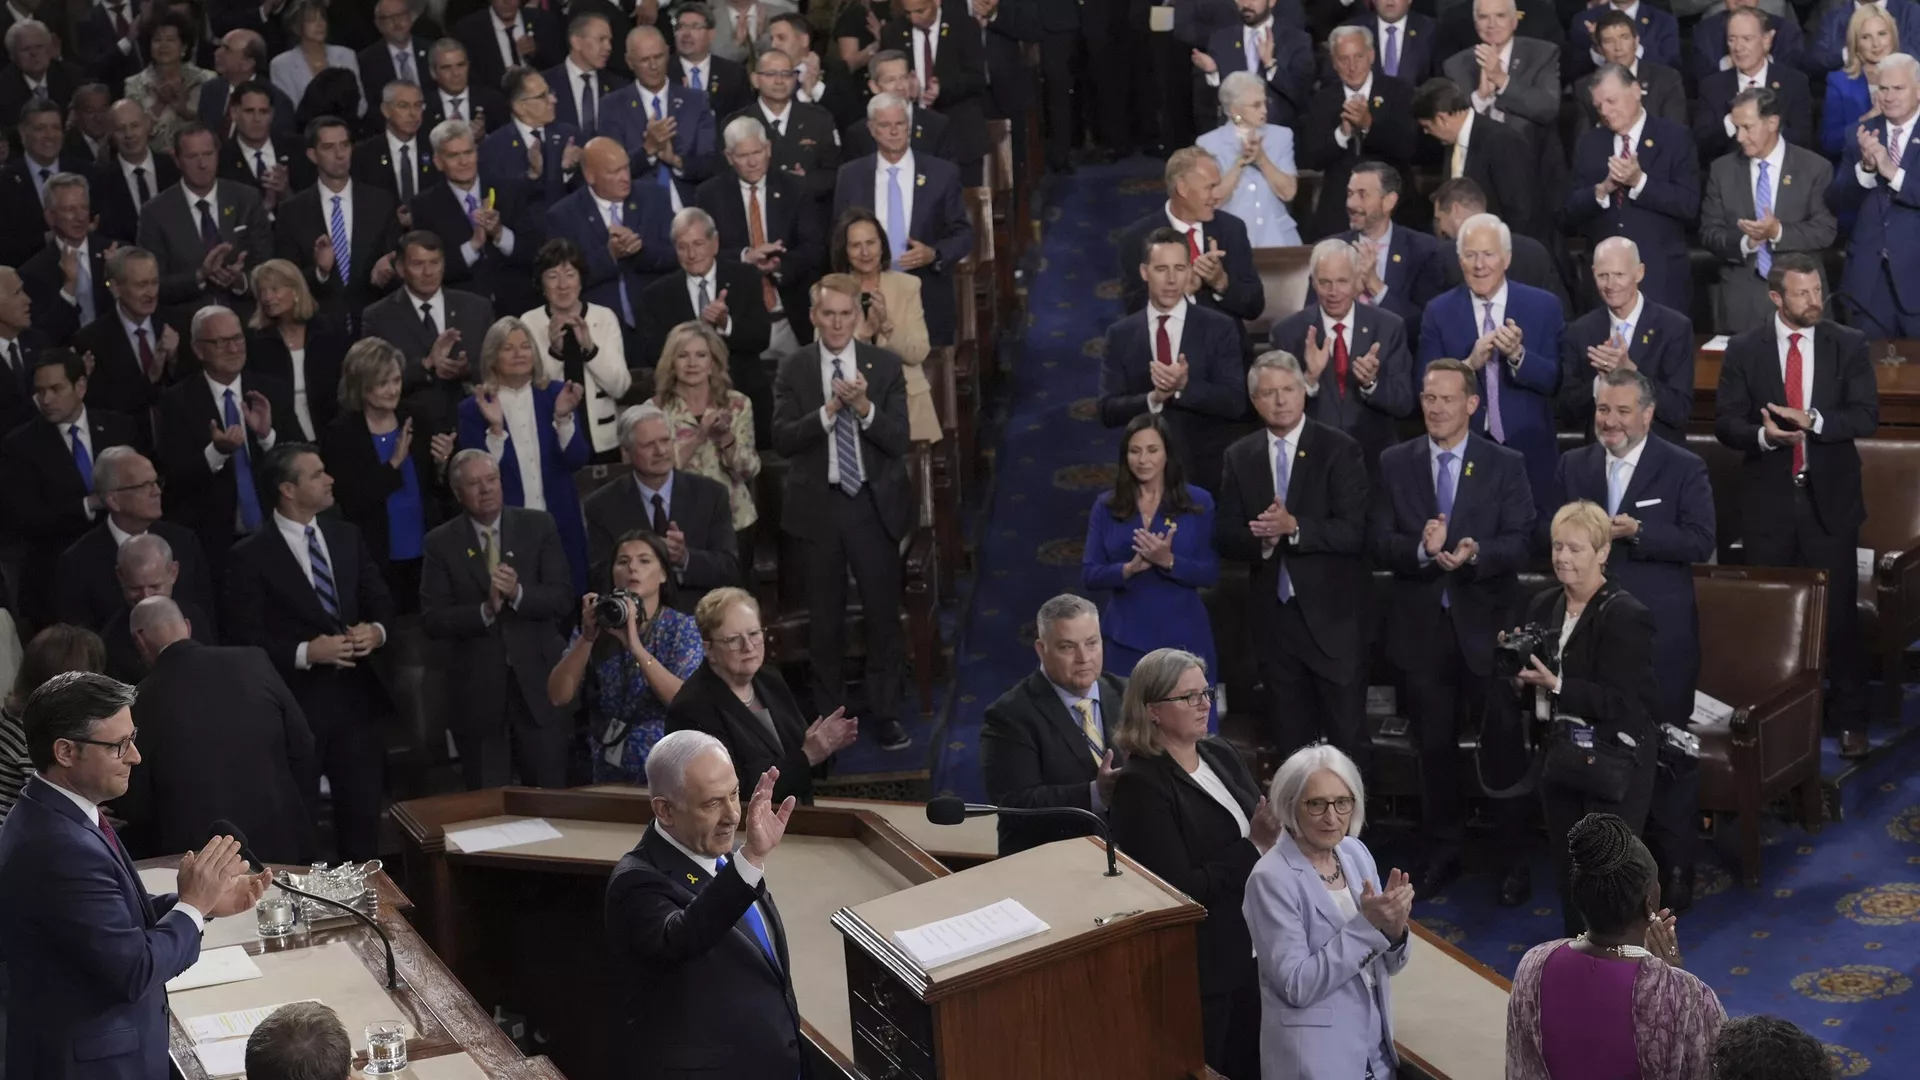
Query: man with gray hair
{"points": [[691, 924], [305, 1040], [240, 59], [1045, 742], [1882, 278], [692, 513], [496, 587], [34, 69], [1627, 332], [67, 277], [723, 294], [90, 589], [24, 179], [145, 568], [765, 222], [397, 160], [400, 53]]}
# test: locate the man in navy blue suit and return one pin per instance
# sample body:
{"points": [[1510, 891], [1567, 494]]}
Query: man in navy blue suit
{"points": [[1637, 176], [1881, 284], [1178, 358], [1753, 63], [1710, 40], [1628, 332], [1280, 54], [1657, 494], [1403, 40], [1452, 518], [533, 150], [90, 951], [1509, 334], [1401, 269], [669, 128], [1358, 373], [1658, 31], [919, 192], [622, 229], [581, 80], [1221, 274]]}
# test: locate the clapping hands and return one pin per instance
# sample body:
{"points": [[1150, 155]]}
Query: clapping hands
{"points": [[1388, 910]]}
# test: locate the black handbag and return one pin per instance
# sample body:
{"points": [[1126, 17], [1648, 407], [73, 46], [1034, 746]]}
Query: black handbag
{"points": [[1602, 771]]}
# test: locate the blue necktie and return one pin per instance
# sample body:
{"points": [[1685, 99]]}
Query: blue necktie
{"points": [[1616, 484], [1391, 63], [1762, 206], [1282, 472], [1443, 495], [83, 286], [755, 922], [342, 251], [693, 77], [209, 233], [81, 459], [322, 575], [589, 103], [242, 469], [896, 214], [626, 301], [846, 443], [663, 176]]}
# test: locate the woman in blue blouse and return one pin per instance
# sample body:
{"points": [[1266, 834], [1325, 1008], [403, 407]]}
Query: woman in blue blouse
{"points": [[528, 424], [1257, 172], [1872, 36], [630, 674], [1150, 542], [380, 483]]}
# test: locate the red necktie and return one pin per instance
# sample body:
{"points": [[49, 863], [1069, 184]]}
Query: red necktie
{"points": [[113, 841], [146, 352], [1340, 357], [1162, 344], [1193, 245], [1795, 399], [926, 57]]}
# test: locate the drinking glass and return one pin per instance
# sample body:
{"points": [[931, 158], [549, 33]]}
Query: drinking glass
{"points": [[274, 915], [386, 1047]]}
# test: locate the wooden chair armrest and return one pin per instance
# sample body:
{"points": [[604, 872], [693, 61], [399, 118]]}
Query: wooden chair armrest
{"points": [[1750, 722]]}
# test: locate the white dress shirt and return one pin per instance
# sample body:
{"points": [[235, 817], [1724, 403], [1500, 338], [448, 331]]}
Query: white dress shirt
{"points": [[133, 184], [1399, 38], [1176, 325], [849, 370], [92, 812], [456, 106], [435, 305], [1897, 148], [1485, 104], [1211, 783], [1632, 136], [1776, 160], [523, 432], [704, 66], [880, 167], [1632, 320], [611, 214], [120, 536], [264, 152], [1758, 78], [923, 40], [295, 535], [1782, 340], [1628, 462], [711, 279], [775, 120], [1499, 299], [1327, 322], [216, 461], [1364, 93], [748, 872]]}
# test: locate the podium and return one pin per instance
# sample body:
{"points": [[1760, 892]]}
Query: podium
{"points": [[1111, 989]]}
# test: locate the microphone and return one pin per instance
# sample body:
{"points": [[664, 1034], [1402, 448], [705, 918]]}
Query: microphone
{"points": [[223, 827], [948, 810]]}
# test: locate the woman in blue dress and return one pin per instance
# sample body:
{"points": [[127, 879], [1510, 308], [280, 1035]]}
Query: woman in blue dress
{"points": [[1257, 171], [1150, 543]]}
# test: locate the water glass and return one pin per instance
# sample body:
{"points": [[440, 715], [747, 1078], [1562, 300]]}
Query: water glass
{"points": [[386, 1047], [274, 915]]}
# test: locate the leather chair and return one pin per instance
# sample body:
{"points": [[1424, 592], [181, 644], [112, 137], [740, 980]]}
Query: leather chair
{"points": [[1890, 598], [1284, 277], [1762, 651]]}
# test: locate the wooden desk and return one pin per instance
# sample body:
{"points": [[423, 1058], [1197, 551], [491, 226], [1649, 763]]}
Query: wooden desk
{"points": [[449, 1021], [523, 925], [1899, 386], [1449, 1012]]}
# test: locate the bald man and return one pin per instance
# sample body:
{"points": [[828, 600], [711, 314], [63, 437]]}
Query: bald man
{"points": [[1627, 332], [667, 126], [147, 568], [622, 226], [129, 174], [240, 58]]}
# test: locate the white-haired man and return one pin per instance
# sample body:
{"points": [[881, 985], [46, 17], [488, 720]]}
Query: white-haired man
{"points": [[725, 294], [1627, 332], [1882, 277], [766, 221]]}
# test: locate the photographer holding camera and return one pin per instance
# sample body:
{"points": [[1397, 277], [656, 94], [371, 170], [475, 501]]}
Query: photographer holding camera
{"points": [[633, 652], [1586, 650]]}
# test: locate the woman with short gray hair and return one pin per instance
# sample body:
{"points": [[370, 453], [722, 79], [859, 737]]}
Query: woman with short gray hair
{"points": [[1187, 808], [1328, 931], [1257, 171]]}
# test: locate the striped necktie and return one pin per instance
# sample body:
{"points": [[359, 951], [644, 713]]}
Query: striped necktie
{"points": [[322, 575]]}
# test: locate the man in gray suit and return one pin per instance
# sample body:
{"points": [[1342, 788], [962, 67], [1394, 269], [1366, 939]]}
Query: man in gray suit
{"points": [[496, 586], [208, 234], [1789, 182], [439, 329], [1512, 80], [693, 514], [741, 27]]}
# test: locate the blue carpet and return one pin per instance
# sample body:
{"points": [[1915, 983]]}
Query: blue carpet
{"points": [[1831, 939]]}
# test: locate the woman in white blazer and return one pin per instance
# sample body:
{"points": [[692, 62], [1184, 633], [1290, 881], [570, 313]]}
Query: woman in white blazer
{"points": [[600, 354], [1328, 934]]}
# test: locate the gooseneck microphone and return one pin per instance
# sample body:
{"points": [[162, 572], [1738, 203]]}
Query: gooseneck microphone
{"points": [[948, 810], [224, 827]]}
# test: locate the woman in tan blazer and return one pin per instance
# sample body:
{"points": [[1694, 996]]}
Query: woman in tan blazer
{"points": [[894, 319]]}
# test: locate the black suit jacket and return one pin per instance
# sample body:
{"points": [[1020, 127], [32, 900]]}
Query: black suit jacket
{"points": [[216, 99], [701, 509], [789, 220], [373, 164], [376, 68], [1606, 669], [1371, 418], [44, 281], [1662, 348], [236, 164], [566, 98], [114, 201], [396, 319], [808, 139], [728, 87], [929, 136], [44, 494], [437, 209], [1418, 60], [123, 655], [482, 40], [1665, 93], [666, 304], [118, 382], [1003, 49], [199, 498], [1167, 822], [706, 703], [1243, 299], [303, 219], [28, 231], [327, 347], [88, 593], [98, 47], [1715, 100], [1492, 150], [521, 645], [1215, 397], [1848, 401], [1394, 139], [680, 940], [362, 480], [16, 389], [960, 63], [1327, 493], [1033, 754], [798, 396], [62, 77], [247, 761], [486, 98]]}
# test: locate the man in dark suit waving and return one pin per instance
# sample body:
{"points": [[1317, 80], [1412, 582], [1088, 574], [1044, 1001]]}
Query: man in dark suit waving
{"points": [[1794, 395], [690, 922], [1627, 332], [1293, 506], [840, 418], [1045, 741]]}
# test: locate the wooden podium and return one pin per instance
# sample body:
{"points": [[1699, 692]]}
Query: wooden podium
{"points": [[1111, 989]]}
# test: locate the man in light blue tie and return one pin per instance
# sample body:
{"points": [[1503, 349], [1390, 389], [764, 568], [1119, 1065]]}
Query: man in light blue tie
{"points": [[65, 277], [1627, 332]]}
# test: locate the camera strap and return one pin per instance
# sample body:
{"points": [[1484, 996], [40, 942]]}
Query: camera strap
{"points": [[1536, 754]]}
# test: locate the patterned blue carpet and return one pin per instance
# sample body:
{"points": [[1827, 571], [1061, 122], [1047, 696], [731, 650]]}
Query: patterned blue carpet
{"points": [[1831, 939]]}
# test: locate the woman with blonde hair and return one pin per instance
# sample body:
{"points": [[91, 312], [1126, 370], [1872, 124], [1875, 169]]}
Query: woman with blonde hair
{"points": [[287, 339], [529, 425], [1872, 36], [712, 423]]}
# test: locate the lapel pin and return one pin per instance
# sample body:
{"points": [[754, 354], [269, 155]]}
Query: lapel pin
{"points": [[470, 553], [693, 879], [1648, 144], [1469, 471], [943, 29], [1776, 84], [920, 181], [1396, 257], [1646, 338], [1378, 101], [1643, 20], [1785, 180], [1411, 31]]}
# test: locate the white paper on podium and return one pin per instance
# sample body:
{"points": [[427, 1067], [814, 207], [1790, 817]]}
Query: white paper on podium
{"points": [[216, 966], [505, 835], [1717, 343], [970, 933], [1708, 709], [228, 1057], [230, 1025]]}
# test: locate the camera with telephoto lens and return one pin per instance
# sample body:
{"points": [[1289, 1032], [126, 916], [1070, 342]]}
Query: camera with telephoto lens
{"points": [[1512, 653], [612, 610]]}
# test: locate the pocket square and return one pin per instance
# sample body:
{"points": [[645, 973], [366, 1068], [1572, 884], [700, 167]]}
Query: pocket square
{"points": [[1646, 502]]}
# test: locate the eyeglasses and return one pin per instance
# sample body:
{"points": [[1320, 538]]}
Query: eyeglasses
{"points": [[544, 95], [1197, 699], [154, 484], [742, 642], [119, 748], [1341, 806]]}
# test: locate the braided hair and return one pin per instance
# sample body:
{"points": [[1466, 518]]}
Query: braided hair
{"points": [[1611, 872], [1768, 1048]]}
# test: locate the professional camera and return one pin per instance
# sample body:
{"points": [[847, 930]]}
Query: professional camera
{"points": [[1511, 653], [612, 610]]}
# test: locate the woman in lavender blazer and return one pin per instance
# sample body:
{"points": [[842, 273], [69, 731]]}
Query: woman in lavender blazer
{"points": [[1328, 934]]}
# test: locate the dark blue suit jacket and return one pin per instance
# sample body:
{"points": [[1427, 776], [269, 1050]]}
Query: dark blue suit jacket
{"points": [[566, 104], [1291, 83], [214, 98], [1884, 221], [1831, 37], [938, 220], [1155, 608], [1671, 498], [1417, 60], [1659, 218], [1715, 99], [1216, 394], [557, 466], [647, 212], [1370, 418], [89, 952], [1661, 347], [1710, 43], [624, 119], [1659, 40], [503, 160], [1243, 298], [1452, 325], [1491, 504], [1416, 273]]}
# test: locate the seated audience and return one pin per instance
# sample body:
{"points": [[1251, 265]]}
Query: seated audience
{"points": [[1256, 163], [1872, 36], [1047, 740], [1334, 967], [580, 342], [525, 421], [690, 512], [736, 698], [1188, 808], [309, 53], [301, 1041], [892, 317], [712, 424], [1137, 550], [627, 675], [146, 567], [88, 591], [496, 587], [379, 483], [1627, 332], [1768, 1048], [722, 294], [53, 650], [1612, 1001], [168, 88], [285, 341]]}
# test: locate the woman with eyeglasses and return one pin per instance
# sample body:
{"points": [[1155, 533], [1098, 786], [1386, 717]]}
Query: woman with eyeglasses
{"points": [[737, 699], [1188, 809], [1330, 932]]}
